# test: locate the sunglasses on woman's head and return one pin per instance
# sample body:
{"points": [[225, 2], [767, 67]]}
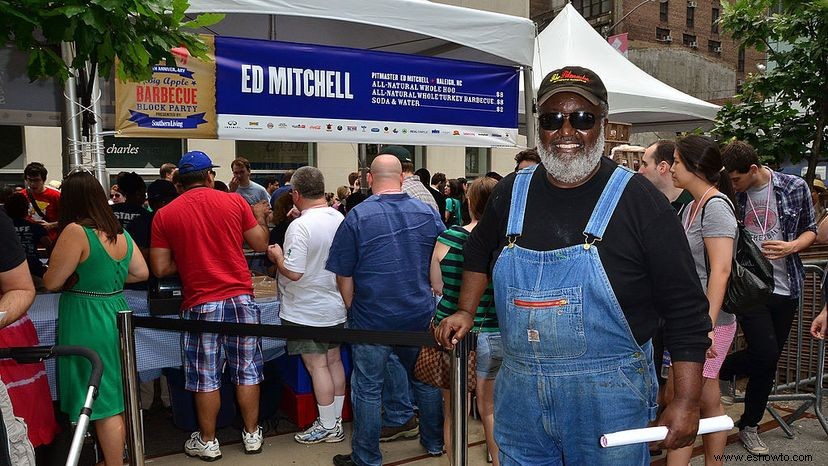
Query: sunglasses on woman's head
{"points": [[578, 120], [77, 170]]}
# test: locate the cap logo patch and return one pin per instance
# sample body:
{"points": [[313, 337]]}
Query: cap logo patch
{"points": [[568, 76]]}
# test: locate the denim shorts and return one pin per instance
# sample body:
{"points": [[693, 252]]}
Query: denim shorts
{"points": [[489, 354]]}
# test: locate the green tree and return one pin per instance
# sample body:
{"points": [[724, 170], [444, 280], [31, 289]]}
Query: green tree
{"points": [[140, 33], [782, 112]]}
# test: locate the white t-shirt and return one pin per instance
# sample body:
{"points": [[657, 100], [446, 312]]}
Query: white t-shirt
{"points": [[314, 299]]}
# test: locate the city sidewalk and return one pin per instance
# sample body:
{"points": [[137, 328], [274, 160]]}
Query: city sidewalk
{"points": [[281, 449]]}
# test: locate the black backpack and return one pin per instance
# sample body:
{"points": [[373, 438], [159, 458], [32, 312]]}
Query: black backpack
{"points": [[751, 275]]}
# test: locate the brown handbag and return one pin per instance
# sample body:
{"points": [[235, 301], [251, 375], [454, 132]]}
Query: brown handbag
{"points": [[433, 366]]}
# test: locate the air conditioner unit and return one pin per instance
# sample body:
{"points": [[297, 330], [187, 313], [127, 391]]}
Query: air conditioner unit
{"points": [[694, 45], [717, 50], [691, 4]]}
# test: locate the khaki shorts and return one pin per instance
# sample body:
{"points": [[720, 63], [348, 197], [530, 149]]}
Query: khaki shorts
{"points": [[309, 346]]}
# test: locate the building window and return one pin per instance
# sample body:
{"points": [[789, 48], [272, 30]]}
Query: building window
{"points": [[592, 8], [689, 40], [740, 63], [664, 11], [691, 15], [714, 46], [12, 158], [714, 21], [144, 156], [275, 157], [477, 162], [663, 35]]}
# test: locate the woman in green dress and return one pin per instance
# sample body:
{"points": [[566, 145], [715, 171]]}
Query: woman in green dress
{"points": [[91, 261]]}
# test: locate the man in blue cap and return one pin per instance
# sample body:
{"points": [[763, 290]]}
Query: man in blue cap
{"points": [[199, 236]]}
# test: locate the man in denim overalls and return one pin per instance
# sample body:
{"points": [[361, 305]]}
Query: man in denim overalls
{"points": [[580, 280]]}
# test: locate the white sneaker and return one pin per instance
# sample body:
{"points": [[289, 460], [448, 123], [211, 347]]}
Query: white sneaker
{"points": [[752, 442], [727, 392], [196, 447], [316, 433], [252, 442]]}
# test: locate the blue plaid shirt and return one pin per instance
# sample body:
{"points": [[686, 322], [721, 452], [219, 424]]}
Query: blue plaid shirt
{"points": [[796, 214]]}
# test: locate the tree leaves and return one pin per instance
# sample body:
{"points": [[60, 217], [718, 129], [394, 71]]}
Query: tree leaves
{"points": [[140, 33], [781, 112]]}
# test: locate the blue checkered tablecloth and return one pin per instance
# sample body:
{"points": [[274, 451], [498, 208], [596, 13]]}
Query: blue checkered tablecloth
{"points": [[154, 349]]}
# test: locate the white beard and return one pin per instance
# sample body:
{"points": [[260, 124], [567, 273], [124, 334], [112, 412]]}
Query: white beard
{"points": [[573, 169]]}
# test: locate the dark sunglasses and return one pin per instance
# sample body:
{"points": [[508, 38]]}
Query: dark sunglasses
{"points": [[115, 195], [578, 120]]}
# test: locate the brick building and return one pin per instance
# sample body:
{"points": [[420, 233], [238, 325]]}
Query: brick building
{"points": [[678, 41]]}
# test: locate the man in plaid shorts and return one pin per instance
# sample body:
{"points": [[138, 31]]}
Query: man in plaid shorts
{"points": [[199, 235]]}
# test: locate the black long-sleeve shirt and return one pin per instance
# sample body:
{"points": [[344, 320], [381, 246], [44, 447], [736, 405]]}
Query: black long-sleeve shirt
{"points": [[644, 252]]}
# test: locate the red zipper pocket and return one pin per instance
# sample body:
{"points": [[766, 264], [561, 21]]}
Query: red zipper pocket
{"points": [[538, 304]]}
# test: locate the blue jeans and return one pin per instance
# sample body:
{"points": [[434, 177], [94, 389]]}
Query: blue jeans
{"points": [[397, 408], [367, 380]]}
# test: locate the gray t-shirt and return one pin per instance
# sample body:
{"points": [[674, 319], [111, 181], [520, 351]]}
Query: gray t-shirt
{"points": [[763, 225], [253, 193], [719, 222]]}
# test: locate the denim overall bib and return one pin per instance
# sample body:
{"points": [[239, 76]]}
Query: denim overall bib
{"points": [[572, 370]]}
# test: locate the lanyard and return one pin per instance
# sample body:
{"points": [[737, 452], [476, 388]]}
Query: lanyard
{"points": [[695, 210], [763, 226]]}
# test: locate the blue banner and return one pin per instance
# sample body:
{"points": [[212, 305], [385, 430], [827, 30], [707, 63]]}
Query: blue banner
{"points": [[298, 89]]}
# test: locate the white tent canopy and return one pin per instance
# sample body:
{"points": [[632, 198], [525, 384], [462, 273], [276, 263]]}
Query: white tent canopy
{"points": [[405, 26], [634, 96]]}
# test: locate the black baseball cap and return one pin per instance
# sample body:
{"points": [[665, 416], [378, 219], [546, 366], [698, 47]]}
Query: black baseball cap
{"points": [[161, 189], [399, 152], [581, 81]]}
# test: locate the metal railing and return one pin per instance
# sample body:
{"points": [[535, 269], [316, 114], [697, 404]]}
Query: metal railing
{"points": [[802, 363]]}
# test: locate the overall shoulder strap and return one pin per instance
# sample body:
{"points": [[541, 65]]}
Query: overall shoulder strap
{"points": [[606, 204], [517, 208]]}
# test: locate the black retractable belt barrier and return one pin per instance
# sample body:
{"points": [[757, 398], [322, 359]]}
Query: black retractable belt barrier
{"points": [[379, 337], [459, 360]]}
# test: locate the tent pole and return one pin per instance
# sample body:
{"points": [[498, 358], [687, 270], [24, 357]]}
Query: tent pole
{"points": [[363, 165], [96, 143], [529, 105], [71, 113]]}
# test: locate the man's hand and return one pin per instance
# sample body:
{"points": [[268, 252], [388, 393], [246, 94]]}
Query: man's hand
{"points": [[234, 184], [682, 421], [453, 328], [776, 249], [818, 326], [711, 352], [275, 253], [261, 210], [681, 417]]}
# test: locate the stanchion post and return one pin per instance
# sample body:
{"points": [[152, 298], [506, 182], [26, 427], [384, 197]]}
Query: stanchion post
{"points": [[132, 415], [459, 408]]}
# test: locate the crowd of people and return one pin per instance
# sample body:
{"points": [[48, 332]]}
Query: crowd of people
{"points": [[584, 284]]}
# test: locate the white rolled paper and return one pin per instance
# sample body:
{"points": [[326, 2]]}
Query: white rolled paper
{"points": [[652, 434]]}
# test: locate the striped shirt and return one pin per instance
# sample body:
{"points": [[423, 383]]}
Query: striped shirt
{"points": [[485, 319]]}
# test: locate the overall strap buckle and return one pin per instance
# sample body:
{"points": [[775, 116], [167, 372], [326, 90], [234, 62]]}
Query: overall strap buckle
{"points": [[587, 243], [511, 239]]}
